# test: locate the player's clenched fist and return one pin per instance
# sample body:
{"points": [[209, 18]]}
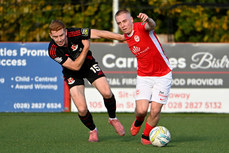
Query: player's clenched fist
{"points": [[142, 16]]}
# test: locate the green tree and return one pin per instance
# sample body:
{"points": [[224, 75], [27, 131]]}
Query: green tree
{"points": [[187, 20], [201, 23]]}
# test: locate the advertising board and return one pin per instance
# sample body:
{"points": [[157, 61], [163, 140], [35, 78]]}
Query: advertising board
{"points": [[200, 77], [29, 80]]}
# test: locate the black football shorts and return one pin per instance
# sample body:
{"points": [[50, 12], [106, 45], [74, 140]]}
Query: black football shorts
{"points": [[89, 70]]}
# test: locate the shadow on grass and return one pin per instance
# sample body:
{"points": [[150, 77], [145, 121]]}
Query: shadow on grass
{"points": [[116, 138], [187, 140]]}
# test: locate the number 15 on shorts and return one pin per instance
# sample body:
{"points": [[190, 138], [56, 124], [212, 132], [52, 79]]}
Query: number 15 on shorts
{"points": [[95, 68]]}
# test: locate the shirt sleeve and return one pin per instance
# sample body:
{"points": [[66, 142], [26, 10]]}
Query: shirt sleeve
{"points": [[56, 54], [85, 33], [141, 26]]}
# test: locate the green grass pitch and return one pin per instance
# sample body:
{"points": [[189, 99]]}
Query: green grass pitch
{"points": [[64, 133]]}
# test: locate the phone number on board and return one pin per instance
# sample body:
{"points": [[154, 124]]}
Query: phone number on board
{"points": [[37, 105], [193, 105]]}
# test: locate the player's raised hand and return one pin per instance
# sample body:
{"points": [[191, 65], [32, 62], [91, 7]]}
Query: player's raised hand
{"points": [[142, 16]]}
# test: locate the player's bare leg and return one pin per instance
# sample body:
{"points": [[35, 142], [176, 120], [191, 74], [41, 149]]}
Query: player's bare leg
{"points": [[151, 121], [103, 87], [154, 116], [77, 94]]}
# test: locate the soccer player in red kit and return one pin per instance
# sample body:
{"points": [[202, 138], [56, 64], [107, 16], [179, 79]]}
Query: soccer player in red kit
{"points": [[154, 76], [70, 48]]}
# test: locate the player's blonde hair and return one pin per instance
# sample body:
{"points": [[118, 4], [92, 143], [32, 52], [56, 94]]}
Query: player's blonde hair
{"points": [[122, 12], [56, 25]]}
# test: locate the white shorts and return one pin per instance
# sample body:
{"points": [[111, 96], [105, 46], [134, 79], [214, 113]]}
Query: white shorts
{"points": [[154, 88]]}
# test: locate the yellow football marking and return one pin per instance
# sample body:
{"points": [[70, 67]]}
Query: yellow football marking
{"points": [[155, 135]]}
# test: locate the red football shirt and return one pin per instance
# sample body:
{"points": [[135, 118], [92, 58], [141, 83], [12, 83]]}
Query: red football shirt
{"points": [[150, 55]]}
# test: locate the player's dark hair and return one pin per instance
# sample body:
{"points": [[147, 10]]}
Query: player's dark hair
{"points": [[56, 25]]}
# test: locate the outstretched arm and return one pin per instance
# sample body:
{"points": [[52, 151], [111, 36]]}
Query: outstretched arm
{"points": [[77, 64], [95, 34], [150, 23]]}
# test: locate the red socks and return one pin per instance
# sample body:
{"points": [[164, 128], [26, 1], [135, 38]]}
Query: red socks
{"points": [[147, 129], [139, 121]]}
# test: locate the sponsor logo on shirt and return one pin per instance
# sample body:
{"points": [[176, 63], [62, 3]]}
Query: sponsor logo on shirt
{"points": [[135, 49], [58, 59]]}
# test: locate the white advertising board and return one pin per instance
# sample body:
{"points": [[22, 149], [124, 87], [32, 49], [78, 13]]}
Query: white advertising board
{"points": [[180, 100]]}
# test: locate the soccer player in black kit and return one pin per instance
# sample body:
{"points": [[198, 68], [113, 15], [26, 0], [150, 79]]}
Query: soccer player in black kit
{"points": [[70, 48]]}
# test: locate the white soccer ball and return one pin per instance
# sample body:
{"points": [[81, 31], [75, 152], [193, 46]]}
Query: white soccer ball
{"points": [[159, 136]]}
